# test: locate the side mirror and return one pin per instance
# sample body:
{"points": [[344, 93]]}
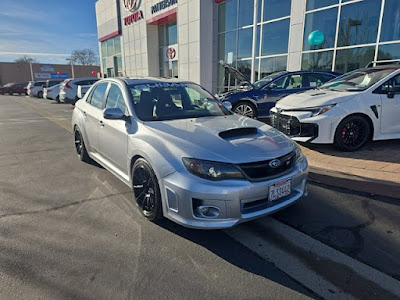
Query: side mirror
{"points": [[393, 90], [113, 114], [227, 105]]}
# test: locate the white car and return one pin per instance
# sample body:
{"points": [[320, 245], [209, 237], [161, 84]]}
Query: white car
{"points": [[52, 92], [348, 111], [35, 88], [69, 88]]}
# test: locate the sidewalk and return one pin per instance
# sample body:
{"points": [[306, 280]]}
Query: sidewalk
{"points": [[374, 169]]}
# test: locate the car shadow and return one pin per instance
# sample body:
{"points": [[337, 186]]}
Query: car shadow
{"points": [[221, 244]]}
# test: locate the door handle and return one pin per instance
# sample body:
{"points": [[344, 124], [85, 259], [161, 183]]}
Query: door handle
{"points": [[101, 123], [84, 113]]}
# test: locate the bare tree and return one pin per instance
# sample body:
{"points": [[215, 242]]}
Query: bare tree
{"points": [[84, 57], [25, 59]]}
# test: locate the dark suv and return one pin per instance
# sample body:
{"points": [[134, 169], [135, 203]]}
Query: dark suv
{"points": [[256, 100], [14, 88]]}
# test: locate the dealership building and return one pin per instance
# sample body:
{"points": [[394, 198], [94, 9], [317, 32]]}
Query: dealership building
{"points": [[187, 38]]}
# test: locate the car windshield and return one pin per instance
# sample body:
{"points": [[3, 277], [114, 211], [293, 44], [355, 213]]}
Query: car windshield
{"points": [[263, 81], [358, 80], [170, 101]]}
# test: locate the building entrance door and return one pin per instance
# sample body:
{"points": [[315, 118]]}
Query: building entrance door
{"points": [[168, 39]]}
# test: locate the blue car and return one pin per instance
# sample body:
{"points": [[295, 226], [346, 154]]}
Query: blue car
{"points": [[256, 100]]}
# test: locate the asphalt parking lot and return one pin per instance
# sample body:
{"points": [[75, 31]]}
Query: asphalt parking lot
{"points": [[69, 229]]}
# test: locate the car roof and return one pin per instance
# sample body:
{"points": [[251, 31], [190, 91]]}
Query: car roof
{"points": [[145, 80]]}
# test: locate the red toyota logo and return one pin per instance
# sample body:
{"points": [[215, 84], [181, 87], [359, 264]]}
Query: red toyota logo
{"points": [[171, 53]]}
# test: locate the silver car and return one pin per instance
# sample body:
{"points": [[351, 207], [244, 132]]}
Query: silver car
{"points": [[186, 156]]}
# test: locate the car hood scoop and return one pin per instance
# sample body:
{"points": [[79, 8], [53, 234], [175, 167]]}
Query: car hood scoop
{"points": [[238, 133], [231, 138]]}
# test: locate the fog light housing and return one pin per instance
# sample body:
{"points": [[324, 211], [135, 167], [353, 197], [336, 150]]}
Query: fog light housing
{"points": [[207, 211]]}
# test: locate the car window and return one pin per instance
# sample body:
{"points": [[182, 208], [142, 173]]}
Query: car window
{"points": [[115, 98], [169, 101], [280, 83], [39, 83], [315, 80], [390, 84], [295, 82], [98, 95]]}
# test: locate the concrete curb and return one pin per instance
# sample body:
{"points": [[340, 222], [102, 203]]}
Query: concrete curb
{"points": [[355, 183], [322, 269]]}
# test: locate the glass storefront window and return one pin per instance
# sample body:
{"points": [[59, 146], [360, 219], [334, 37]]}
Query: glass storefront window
{"points": [[246, 15], [274, 9], [323, 21], [244, 66], [227, 44], [359, 23], [391, 21], [317, 61], [314, 4], [273, 64], [110, 47], [275, 37], [161, 41], [245, 44], [172, 34], [117, 44], [104, 49], [350, 59], [391, 51], [227, 15]]}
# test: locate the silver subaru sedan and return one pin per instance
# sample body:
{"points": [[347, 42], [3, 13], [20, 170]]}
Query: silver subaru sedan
{"points": [[185, 155]]}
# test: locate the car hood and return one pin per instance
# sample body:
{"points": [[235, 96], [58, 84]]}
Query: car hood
{"points": [[314, 98], [233, 138]]}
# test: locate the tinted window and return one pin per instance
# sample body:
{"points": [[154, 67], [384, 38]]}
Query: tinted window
{"points": [[359, 23], [313, 4], [227, 13], [387, 52], [98, 95], [275, 37], [273, 64], [246, 9], [245, 42], [323, 21], [393, 82], [316, 80], [391, 21], [274, 9], [39, 83], [115, 99], [321, 61], [350, 59]]}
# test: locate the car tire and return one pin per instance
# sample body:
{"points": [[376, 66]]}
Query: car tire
{"points": [[245, 108], [146, 190], [40, 94], [58, 99], [352, 133], [80, 147]]}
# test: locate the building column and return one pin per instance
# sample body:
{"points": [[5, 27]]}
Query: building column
{"points": [[296, 35]]}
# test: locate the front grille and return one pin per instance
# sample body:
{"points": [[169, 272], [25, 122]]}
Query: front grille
{"points": [[262, 170], [287, 124]]}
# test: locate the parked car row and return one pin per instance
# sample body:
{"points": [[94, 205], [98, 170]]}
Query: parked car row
{"points": [[323, 107], [58, 90]]}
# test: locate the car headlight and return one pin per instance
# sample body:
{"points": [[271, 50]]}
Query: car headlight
{"points": [[316, 111], [211, 170], [299, 153]]}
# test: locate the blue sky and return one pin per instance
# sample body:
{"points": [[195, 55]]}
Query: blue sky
{"points": [[48, 30]]}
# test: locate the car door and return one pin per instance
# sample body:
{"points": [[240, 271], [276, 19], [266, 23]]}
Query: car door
{"points": [[113, 136], [390, 111], [93, 114]]}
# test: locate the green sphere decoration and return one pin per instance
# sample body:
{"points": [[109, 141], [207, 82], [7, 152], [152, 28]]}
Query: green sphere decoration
{"points": [[316, 38]]}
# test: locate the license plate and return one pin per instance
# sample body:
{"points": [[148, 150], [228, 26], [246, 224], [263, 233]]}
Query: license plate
{"points": [[279, 190]]}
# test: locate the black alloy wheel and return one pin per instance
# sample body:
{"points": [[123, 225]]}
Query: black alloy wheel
{"points": [[40, 94], [352, 133], [146, 190], [246, 109], [58, 99], [80, 146]]}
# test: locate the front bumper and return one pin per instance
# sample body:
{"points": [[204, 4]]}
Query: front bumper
{"points": [[237, 200], [301, 127]]}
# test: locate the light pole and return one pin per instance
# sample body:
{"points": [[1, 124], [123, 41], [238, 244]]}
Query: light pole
{"points": [[72, 66], [30, 65]]}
